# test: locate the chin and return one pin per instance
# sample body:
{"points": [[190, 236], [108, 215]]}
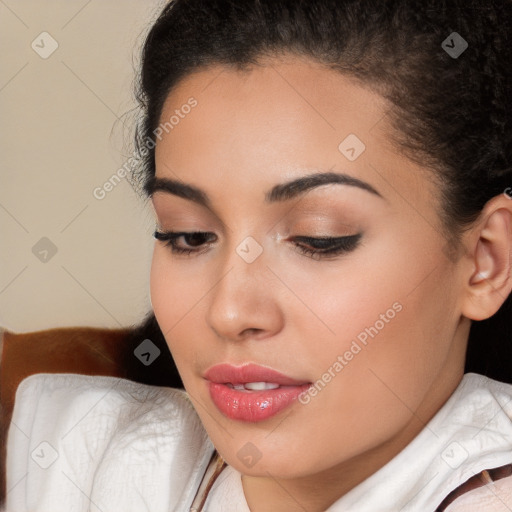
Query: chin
{"points": [[279, 464]]}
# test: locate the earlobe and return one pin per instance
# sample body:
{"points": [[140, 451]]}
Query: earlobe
{"points": [[490, 281]]}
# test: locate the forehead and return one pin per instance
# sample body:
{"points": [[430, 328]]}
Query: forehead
{"points": [[288, 97], [277, 119]]}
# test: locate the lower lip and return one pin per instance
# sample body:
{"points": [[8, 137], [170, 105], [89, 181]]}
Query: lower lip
{"points": [[253, 405]]}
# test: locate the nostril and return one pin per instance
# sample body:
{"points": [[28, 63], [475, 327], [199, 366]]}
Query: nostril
{"points": [[251, 331]]}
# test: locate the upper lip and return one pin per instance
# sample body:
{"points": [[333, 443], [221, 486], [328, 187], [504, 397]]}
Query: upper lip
{"points": [[250, 372]]}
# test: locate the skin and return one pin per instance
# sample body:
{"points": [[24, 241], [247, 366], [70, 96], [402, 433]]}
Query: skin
{"points": [[250, 131]]}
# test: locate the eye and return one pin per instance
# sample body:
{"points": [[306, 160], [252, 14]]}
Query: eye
{"points": [[318, 248], [193, 239]]}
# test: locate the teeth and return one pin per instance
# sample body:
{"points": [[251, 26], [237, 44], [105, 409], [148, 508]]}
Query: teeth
{"points": [[259, 386], [253, 386]]}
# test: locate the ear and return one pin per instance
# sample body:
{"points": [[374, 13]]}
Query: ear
{"points": [[489, 253]]}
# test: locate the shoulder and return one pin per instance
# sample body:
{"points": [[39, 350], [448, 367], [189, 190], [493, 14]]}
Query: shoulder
{"points": [[484, 411], [493, 497], [480, 388], [479, 401], [75, 433], [73, 401]]}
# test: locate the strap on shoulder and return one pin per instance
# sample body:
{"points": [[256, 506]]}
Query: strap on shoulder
{"points": [[479, 480], [214, 469]]}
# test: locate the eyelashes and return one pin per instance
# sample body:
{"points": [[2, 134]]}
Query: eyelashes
{"points": [[170, 238], [316, 248]]}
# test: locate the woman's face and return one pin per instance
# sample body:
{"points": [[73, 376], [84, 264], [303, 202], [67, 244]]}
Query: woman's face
{"points": [[374, 329]]}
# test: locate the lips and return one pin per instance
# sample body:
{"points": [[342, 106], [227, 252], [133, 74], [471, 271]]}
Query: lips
{"points": [[252, 392]]}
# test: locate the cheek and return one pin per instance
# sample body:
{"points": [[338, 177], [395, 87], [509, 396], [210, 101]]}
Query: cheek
{"points": [[397, 356], [384, 321], [162, 289], [174, 286], [373, 367], [176, 298]]}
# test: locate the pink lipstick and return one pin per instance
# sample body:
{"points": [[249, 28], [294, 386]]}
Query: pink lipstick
{"points": [[251, 392]]}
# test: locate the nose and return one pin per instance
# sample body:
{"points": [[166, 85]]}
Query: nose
{"points": [[245, 302]]}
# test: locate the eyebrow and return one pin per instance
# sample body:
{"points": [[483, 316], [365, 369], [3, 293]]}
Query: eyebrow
{"points": [[281, 192]]}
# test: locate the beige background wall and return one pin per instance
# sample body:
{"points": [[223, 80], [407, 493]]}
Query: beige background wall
{"points": [[61, 137]]}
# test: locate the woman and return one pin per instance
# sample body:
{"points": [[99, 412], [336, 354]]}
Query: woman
{"points": [[331, 183]]}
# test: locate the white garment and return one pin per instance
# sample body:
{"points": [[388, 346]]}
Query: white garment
{"points": [[121, 446]]}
